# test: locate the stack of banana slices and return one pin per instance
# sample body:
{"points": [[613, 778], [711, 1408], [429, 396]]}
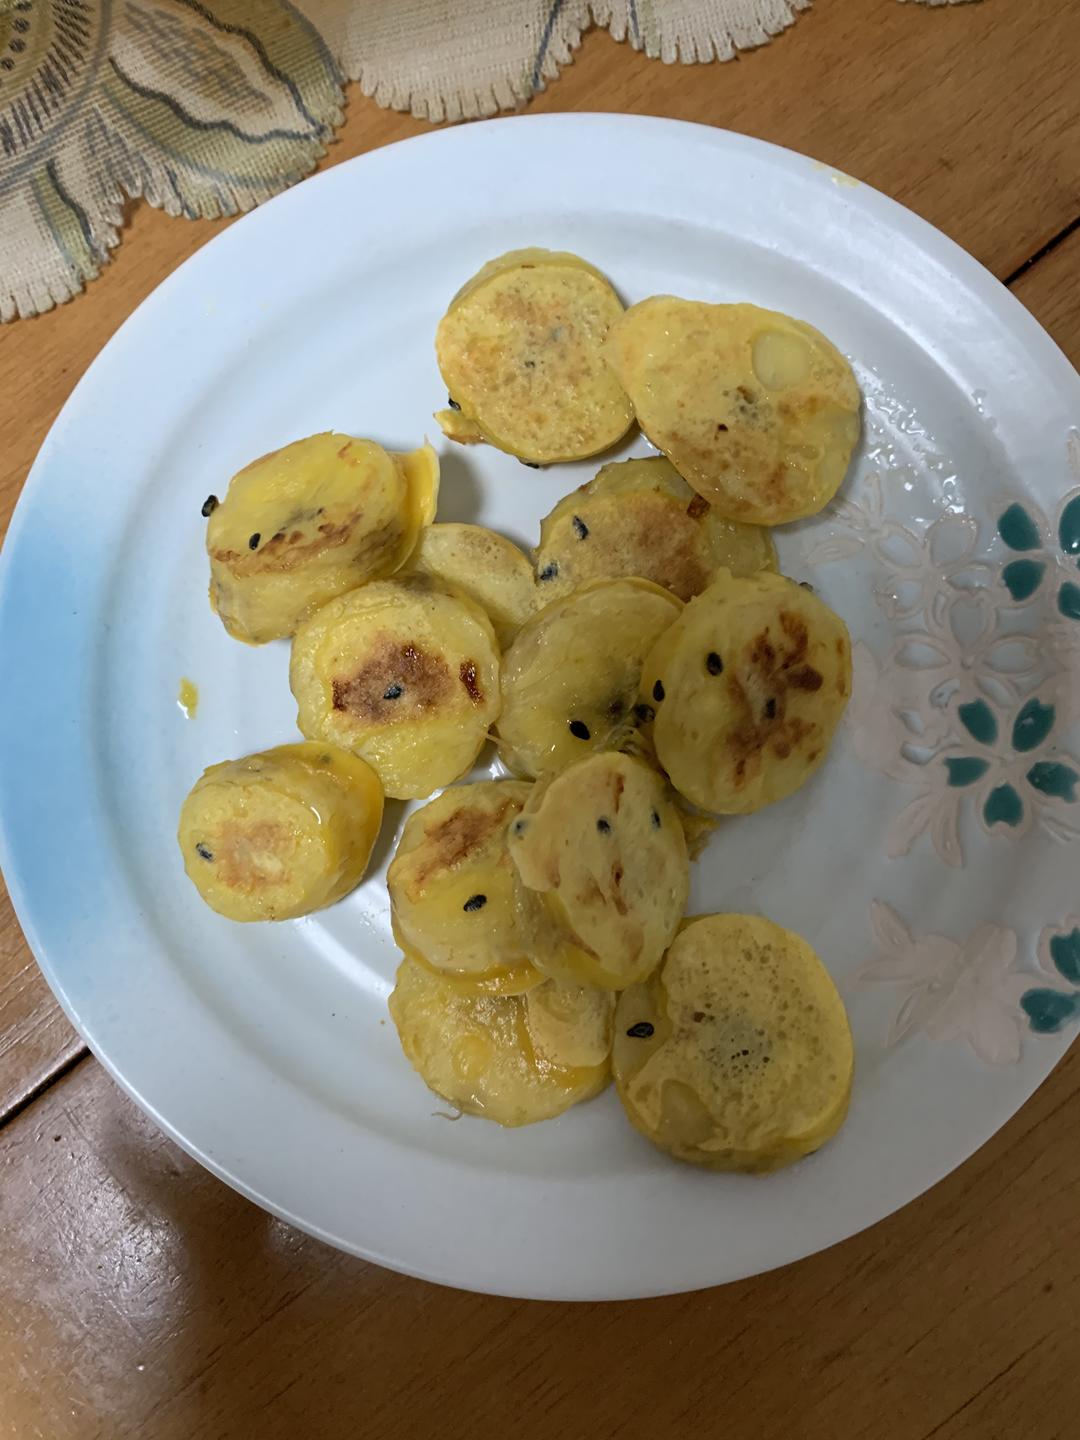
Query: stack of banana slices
{"points": [[646, 670]]}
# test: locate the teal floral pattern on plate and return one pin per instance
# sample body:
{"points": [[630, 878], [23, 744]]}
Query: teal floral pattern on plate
{"points": [[973, 701], [972, 991], [1047, 554], [1051, 1007]]}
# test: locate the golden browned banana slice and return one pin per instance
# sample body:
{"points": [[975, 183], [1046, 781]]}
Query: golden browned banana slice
{"points": [[452, 885], [737, 1053], [639, 517], [603, 850], [759, 412], [510, 1058], [404, 676], [281, 833], [520, 352], [309, 522], [570, 679], [747, 687], [488, 568]]}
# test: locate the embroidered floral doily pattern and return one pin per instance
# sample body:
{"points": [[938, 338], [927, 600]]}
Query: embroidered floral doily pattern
{"points": [[208, 107]]}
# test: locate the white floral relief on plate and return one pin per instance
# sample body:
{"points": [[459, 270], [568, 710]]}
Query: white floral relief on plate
{"points": [[969, 703], [972, 992], [951, 991]]}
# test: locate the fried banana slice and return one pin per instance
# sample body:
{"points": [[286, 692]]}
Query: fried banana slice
{"points": [[570, 679], [403, 675], [520, 351], [737, 1053], [640, 517], [747, 688], [281, 833], [309, 522], [757, 411]]}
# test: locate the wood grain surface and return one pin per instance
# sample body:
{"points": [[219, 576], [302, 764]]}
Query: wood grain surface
{"points": [[36, 1041], [142, 1297]]}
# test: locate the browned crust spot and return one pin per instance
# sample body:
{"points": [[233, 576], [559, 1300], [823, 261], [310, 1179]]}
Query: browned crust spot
{"points": [[805, 678], [654, 536], [467, 675], [698, 507], [288, 550], [795, 629], [774, 488], [238, 849], [454, 839], [425, 683], [621, 907], [776, 670], [589, 894], [617, 788]]}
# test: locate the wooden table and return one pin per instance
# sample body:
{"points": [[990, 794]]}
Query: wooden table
{"points": [[141, 1297]]}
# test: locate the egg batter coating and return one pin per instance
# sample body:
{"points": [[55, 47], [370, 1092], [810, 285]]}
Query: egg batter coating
{"points": [[280, 833], [514, 1059], [747, 689], [737, 1053], [639, 517], [520, 351], [484, 566], [570, 679], [602, 856], [403, 675], [311, 521], [453, 888], [757, 411]]}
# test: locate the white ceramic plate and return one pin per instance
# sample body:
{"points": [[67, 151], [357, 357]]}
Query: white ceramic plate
{"points": [[932, 862]]}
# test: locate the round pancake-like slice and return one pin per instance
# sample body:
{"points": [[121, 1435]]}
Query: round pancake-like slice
{"points": [[603, 849], [404, 676], [747, 687], [737, 1053], [309, 522], [281, 833], [452, 882], [520, 352], [570, 679], [758, 411], [640, 517], [482, 1053], [488, 568]]}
